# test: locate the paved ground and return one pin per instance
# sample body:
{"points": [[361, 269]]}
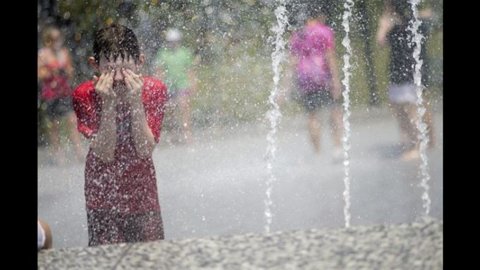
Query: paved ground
{"points": [[217, 185], [405, 246]]}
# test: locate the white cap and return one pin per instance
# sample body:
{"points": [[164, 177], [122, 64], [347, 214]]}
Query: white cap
{"points": [[173, 35]]}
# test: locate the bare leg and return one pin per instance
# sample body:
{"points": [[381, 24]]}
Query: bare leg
{"points": [[170, 122], [428, 120], [336, 124], [75, 135], [54, 139], [314, 130], [407, 137], [186, 118], [412, 116]]}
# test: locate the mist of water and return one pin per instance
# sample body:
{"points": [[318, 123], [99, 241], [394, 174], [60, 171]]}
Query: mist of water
{"points": [[421, 126], [274, 114], [346, 108]]}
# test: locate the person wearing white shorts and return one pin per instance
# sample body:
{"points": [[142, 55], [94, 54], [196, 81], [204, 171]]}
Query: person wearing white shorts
{"points": [[402, 91]]}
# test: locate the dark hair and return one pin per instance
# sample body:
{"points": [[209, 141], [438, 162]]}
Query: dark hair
{"points": [[115, 40], [402, 8], [317, 11]]}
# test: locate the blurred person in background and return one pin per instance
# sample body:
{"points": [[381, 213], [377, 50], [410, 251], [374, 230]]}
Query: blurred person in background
{"points": [[55, 71], [174, 65], [393, 29], [316, 77]]}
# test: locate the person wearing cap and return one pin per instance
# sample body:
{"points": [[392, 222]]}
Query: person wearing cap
{"points": [[174, 65]]}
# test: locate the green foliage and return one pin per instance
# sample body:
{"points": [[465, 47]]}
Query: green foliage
{"points": [[233, 41]]}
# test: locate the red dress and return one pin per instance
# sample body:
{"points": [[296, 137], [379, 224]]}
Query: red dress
{"points": [[126, 187]]}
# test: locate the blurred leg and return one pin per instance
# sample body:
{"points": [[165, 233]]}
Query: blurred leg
{"points": [[185, 112], [411, 119], [72, 124], [404, 124], [428, 120], [411, 123], [169, 124], [54, 139], [74, 135], [314, 130], [336, 124]]}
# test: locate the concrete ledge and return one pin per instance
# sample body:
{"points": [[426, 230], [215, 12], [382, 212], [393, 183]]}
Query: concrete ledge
{"points": [[404, 246]]}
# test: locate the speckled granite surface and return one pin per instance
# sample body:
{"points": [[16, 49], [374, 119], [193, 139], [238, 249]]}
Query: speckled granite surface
{"points": [[404, 246]]}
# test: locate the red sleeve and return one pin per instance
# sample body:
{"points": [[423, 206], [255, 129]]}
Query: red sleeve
{"points": [[84, 105], [154, 99]]}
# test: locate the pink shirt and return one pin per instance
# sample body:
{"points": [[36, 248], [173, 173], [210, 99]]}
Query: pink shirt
{"points": [[310, 45]]}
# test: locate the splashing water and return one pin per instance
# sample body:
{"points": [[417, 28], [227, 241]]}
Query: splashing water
{"points": [[274, 114], [346, 107], [421, 126]]}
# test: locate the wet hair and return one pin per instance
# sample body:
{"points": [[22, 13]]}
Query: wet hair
{"points": [[401, 8], [115, 40]]}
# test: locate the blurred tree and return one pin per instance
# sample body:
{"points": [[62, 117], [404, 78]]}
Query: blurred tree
{"points": [[226, 34]]}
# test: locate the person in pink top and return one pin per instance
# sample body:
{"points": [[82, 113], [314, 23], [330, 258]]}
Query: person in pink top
{"points": [[317, 81]]}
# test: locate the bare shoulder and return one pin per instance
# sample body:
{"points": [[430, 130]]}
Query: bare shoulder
{"points": [[44, 53]]}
